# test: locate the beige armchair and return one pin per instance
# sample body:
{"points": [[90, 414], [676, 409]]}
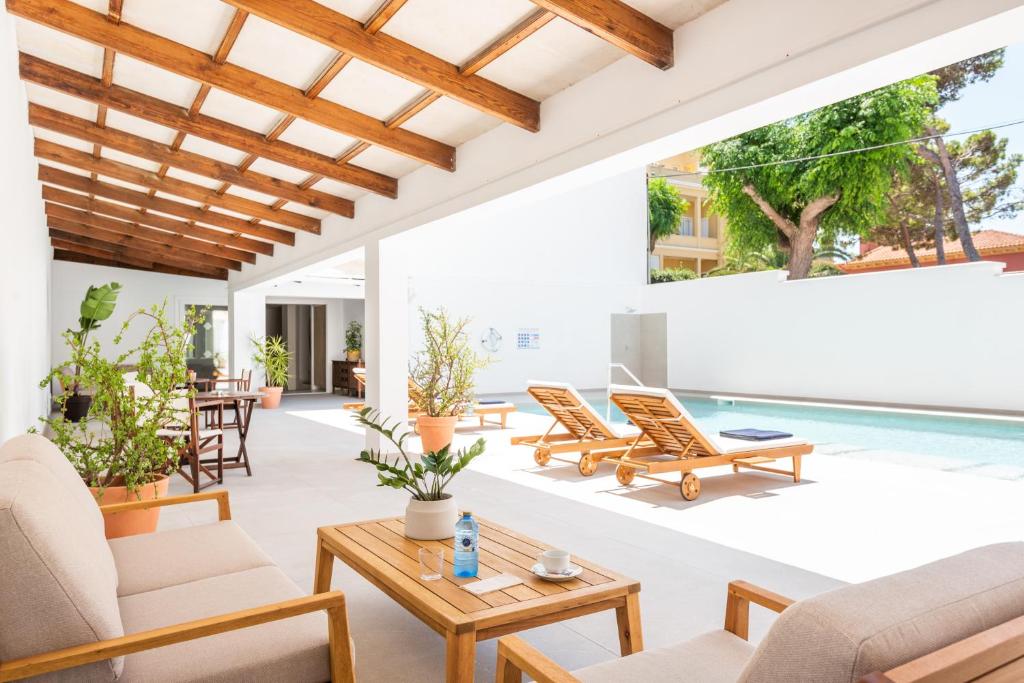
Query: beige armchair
{"points": [[957, 619], [197, 603]]}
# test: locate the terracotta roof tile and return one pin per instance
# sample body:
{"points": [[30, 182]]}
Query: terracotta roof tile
{"points": [[985, 241]]}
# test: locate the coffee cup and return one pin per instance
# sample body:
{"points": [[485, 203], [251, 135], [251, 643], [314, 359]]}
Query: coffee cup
{"points": [[555, 561]]}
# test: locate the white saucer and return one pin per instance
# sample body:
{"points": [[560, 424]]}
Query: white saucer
{"points": [[574, 571]]}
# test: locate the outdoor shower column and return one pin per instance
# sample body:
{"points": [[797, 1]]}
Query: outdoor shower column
{"points": [[386, 340]]}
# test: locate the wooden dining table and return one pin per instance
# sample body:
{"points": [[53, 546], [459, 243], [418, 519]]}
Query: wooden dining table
{"points": [[243, 402]]}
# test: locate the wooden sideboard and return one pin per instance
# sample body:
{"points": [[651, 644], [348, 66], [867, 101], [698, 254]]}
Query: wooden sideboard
{"points": [[342, 380]]}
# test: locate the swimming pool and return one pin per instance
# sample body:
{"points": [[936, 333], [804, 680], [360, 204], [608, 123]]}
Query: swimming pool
{"points": [[973, 442]]}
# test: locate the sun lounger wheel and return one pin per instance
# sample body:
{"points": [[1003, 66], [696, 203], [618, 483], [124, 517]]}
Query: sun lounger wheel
{"points": [[689, 487], [625, 475], [541, 456], [587, 465]]}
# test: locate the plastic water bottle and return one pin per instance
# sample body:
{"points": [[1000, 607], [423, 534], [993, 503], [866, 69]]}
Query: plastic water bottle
{"points": [[467, 535]]}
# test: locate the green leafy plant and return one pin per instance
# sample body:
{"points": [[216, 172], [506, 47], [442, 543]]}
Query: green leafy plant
{"points": [[665, 207], [424, 479], [118, 443], [97, 306], [354, 336], [444, 370], [273, 356], [671, 275]]}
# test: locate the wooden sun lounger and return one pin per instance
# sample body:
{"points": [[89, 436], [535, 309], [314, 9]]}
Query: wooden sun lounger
{"points": [[480, 410], [586, 432], [681, 447]]}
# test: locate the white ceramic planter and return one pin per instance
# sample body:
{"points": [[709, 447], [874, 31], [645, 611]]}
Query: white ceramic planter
{"points": [[431, 520]]}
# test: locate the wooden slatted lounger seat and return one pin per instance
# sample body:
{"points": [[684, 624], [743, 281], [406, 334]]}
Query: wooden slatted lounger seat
{"points": [[586, 432], [682, 447], [480, 410]]}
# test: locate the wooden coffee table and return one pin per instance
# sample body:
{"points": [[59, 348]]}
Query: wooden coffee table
{"points": [[379, 551]]}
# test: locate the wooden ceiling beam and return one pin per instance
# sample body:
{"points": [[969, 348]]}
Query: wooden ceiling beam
{"points": [[51, 151], [76, 84], [73, 19], [103, 258], [83, 129], [172, 244], [620, 25], [215, 240], [136, 254], [56, 176], [322, 24]]}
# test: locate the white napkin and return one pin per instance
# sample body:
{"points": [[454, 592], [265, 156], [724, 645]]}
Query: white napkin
{"points": [[495, 583]]}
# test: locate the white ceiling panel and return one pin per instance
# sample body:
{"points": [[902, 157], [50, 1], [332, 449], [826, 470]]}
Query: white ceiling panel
{"points": [[61, 139], [310, 211], [137, 162], [317, 138], [280, 171], [63, 167], [281, 54], [381, 160], [154, 81], [214, 150], [455, 30], [140, 127], [370, 90], [550, 60], [674, 13], [121, 183], [241, 112], [176, 198], [193, 178], [451, 122], [360, 10], [252, 194], [339, 189], [200, 24], [59, 48], [60, 101]]}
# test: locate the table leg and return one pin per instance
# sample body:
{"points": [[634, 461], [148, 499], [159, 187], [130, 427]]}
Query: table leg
{"points": [[631, 638], [324, 567], [460, 657], [243, 431]]}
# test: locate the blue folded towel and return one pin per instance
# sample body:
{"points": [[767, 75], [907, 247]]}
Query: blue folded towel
{"points": [[490, 403], [754, 434]]}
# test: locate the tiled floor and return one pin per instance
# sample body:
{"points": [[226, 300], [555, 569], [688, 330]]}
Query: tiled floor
{"points": [[849, 520]]}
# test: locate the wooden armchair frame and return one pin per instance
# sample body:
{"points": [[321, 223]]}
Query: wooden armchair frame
{"points": [[516, 656], [342, 666]]}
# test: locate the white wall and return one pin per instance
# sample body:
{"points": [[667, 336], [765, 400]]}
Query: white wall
{"points": [[24, 258], [940, 336], [139, 289], [561, 265]]}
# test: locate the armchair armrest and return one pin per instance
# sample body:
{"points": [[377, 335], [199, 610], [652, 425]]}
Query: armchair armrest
{"points": [[737, 605], [221, 496], [516, 656], [334, 603]]}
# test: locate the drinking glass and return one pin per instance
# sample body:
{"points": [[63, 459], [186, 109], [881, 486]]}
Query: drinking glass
{"points": [[431, 564]]}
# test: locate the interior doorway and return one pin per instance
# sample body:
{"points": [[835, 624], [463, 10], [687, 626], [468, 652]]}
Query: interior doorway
{"points": [[303, 328], [640, 342]]}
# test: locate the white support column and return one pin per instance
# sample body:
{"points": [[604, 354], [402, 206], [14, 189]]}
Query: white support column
{"points": [[386, 338], [247, 318]]}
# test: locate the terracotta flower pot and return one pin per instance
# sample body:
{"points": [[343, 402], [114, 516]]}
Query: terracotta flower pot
{"points": [[132, 522], [436, 432], [271, 397]]}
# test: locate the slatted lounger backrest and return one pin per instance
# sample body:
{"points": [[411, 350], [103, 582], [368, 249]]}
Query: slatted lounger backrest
{"points": [[571, 410], [663, 419]]}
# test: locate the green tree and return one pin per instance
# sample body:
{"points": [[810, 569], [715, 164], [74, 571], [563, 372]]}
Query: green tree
{"points": [[665, 207], [795, 183]]}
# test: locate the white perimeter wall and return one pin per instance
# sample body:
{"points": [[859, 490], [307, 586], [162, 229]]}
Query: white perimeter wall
{"points": [[139, 289], [939, 336], [24, 258], [561, 265]]}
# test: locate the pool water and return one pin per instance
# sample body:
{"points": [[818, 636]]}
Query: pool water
{"points": [[971, 440]]}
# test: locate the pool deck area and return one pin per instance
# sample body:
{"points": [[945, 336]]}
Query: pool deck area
{"points": [[850, 519]]}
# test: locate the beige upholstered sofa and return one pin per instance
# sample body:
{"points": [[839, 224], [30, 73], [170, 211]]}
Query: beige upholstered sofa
{"points": [[958, 619], [198, 603]]}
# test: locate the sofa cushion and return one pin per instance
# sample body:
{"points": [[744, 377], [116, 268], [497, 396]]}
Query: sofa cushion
{"points": [[847, 633], [147, 562], [713, 657], [293, 649], [57, 588]]}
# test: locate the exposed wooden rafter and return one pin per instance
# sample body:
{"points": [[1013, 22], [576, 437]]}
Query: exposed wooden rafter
{"points": [[56, 176], [76, 84], [619, 24], [141, 255], [71, 18], [324, 25], [76, 254]]}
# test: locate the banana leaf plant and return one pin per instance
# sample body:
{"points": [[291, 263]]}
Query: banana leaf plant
{"points": [[97, 306], [425, 479]]}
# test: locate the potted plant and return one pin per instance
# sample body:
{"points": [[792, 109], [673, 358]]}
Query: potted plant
{"points": [[97, 306], [273, 356], [353, 341], [443, 371], [431, 513], [118, 448]]}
